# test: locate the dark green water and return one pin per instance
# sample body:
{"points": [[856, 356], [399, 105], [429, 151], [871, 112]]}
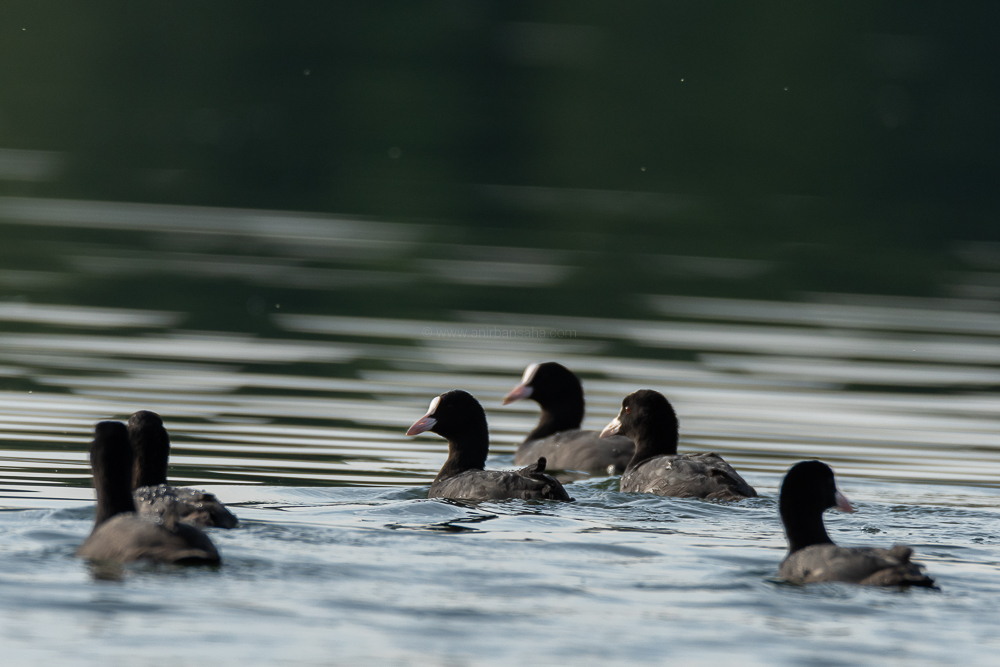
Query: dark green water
{"points": [[286, 230]]}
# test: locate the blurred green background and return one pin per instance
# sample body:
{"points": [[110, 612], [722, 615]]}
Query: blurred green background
{"points": [[845, 146]]}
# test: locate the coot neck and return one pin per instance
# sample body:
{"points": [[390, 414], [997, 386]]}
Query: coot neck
{"points": [[649, 445], [151, 448], [148, 472], [112, 498], [803, 527], [566, 415], [466, 451]]}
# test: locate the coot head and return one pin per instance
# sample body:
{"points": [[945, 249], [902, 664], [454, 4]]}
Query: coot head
{"points": [[557, 391], [457, 416], [453, 413], [546, 384], [151, 447], [111, 463], [809, 488], [647, 418]]}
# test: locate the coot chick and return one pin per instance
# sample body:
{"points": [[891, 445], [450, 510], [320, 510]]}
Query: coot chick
{"points": [[648, 418], [152, 494], [558, 436], [459, 417], [807, 490], [119, 533]]}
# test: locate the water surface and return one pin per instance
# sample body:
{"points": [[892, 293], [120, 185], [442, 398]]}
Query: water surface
{"points": [[289, 352]]}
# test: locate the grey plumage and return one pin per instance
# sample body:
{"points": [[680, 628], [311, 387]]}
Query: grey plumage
{"points": [[580, 450], [152, 495], [129, 537], [855, 565], [705, 475], [530, 483], [192, 506]]}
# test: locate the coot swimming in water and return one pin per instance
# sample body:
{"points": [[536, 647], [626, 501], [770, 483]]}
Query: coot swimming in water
{"points": [[119, 533], [558, 436], [459, 417], [648, 418], [807, 490], [153, 496]]}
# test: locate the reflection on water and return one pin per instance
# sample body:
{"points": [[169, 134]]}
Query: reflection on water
{"points": [[898, 395], [892, 389]]}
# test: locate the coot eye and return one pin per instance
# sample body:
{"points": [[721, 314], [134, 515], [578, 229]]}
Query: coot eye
{"points": [[627, 408]]}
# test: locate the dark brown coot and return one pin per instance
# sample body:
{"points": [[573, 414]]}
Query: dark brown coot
{"points": [[152, 494], [119, 533], [648, 418], [558, 436], [806, 492], [459, 418]]}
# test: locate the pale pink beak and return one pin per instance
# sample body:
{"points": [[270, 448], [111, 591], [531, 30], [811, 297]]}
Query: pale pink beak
{"points": [[516, 394], [843, 504], [425, 423], [612, 428]]}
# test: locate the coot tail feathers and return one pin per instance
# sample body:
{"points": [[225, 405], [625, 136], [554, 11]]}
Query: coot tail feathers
{"points": [[536, 467]]}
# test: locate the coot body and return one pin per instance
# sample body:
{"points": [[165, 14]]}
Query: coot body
{"points": [[529, 483], [152, 495], [650, 421], [558, 436], [459, 418]]}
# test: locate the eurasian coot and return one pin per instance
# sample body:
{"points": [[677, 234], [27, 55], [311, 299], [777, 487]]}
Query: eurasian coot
{"points": [[806, 492], [650, 421], [153, 496], [459, 418], [558, 436]]}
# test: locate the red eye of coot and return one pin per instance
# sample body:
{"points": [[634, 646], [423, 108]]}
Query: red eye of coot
{"points": [[626, 409]]}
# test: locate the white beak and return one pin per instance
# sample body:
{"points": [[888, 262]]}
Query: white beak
{"points": [[843, 504], [426, 422], [517, 393], [612, 428], [421, 425]]}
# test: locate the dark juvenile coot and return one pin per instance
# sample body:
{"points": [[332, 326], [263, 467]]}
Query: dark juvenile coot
{"points": [[807, 490], [119, 533], [558, 436], [153, 495], [649, 419], [460, 418]]}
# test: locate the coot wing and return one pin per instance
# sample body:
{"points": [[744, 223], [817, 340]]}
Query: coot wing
{"points": [[530, 483], [688, 475], [190, 506], [857, 565]]}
